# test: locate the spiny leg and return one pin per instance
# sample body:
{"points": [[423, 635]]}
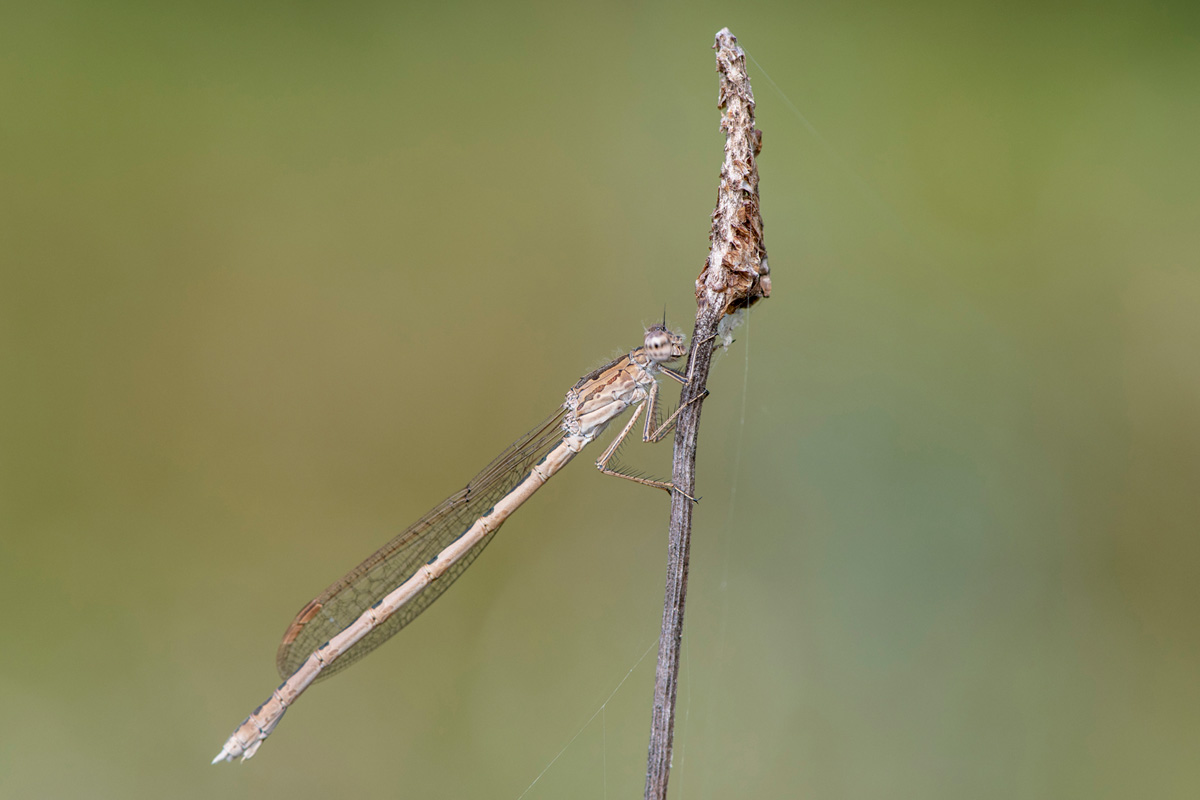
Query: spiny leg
{"points": [[651, 434], [678, 377], [647, 436], [607, 455]]}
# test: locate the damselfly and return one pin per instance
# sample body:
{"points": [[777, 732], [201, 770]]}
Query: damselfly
{"points": [[387, 591]]}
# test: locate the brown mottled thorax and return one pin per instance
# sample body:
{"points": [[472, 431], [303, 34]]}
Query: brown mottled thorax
{"points": [[601, 395]]}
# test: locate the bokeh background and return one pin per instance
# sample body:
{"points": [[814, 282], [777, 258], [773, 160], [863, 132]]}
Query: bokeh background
{"points": [[278, 277]]}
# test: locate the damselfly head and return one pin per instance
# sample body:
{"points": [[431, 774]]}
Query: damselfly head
{"points": [[663, 345]]}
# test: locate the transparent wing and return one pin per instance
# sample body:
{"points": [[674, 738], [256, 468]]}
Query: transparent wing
{"points": [[395, 562]]}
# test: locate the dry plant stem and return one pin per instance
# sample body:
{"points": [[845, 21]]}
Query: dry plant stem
{"points": [[734, 277]]}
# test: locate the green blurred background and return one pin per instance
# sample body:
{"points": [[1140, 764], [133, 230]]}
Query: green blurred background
{"points": [[279, 277]]}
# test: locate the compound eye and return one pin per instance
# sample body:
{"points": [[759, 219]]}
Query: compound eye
{"points": [[661, 347]]}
